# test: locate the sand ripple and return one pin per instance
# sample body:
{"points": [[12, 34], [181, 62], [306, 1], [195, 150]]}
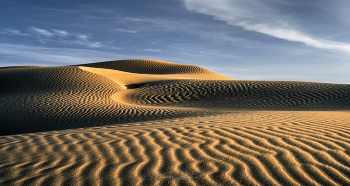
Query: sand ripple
{"points": [[217, 154], [262, 95]]}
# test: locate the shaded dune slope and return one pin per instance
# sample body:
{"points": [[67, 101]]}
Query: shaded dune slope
{"points": [[16, 67], [263, 95], [252, 148]]}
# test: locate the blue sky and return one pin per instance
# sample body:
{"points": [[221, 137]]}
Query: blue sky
{"points": [[293, 40]]}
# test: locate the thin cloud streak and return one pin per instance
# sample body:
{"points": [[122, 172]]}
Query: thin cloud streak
{"points": [[128, 31], [44, 56], [55, 35], [84, 40], [255, 16], [56, 56], [41, 32], [11, 31], [153, 50], [60, 32]]}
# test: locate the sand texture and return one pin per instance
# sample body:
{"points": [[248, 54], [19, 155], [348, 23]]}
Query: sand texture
{"points": [[149, 122]]}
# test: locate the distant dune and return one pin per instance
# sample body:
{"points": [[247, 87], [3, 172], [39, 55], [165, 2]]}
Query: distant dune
{"points": [[150, 122]]}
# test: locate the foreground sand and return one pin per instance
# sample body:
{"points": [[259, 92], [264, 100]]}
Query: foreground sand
{"points": [[147, 122]]}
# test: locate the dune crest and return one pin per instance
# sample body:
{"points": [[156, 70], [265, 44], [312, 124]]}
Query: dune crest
{"points": [[128, 78], [127, 72], [149, 66]]}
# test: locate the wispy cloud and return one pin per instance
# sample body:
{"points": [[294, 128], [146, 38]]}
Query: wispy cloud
{"points": [[55, 35], [15, 32], [127, 31], [60, 32], [132, 19], [18, 54], [153, 50], [84, 40], [41, 32], [65, 11], [263, 17], [36, 55]]}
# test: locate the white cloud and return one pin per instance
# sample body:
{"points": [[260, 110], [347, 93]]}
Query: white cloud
{"points": [[153, 50], [131, 19], [18, 54], [52, 36], [127, 31], [15, 54], [84, 40], [13, 32], [60, 32], [263, 17], [41, 32], [292, 35]]}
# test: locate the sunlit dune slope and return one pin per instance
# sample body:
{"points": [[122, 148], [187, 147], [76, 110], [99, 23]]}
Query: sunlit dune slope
{"points": [[148, 66]]}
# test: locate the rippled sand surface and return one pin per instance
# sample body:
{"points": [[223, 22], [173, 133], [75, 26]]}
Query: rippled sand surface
{"points": [[149, 122]]}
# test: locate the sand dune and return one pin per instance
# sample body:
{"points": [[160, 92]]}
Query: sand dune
{"points": [[64, 97], [149, 122], [260, 95]]}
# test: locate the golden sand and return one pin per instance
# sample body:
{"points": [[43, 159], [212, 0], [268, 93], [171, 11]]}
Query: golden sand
{"points": [[149, 122]]}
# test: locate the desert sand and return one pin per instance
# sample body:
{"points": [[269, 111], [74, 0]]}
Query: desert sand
{"points": [[149, 122]]}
